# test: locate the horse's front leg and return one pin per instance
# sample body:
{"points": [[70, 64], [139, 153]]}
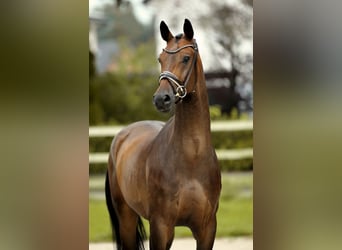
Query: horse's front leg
{"points": [[205, 235], [161, 234]]}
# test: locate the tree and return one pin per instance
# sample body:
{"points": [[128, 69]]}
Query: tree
{"points": [[233, 27], [122, 22]]}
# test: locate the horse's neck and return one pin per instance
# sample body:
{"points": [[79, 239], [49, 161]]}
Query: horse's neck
{"points": [[192, 118]]}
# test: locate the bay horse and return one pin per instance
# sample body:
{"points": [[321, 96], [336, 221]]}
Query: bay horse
{"points": [[167, 173]]}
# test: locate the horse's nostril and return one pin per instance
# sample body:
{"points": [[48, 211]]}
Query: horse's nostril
{"points": [[162, 102], [167, 99]]}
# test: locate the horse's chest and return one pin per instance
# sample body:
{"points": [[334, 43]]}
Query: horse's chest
{"points": [[192, 202], [191, 193]]}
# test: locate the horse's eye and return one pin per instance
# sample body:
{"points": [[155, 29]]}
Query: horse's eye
{"points": [[186, 59]]}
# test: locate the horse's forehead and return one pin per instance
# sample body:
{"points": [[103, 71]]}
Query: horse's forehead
{"points": [[177, 42]]}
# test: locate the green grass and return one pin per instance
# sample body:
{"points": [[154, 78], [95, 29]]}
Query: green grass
{"points": [[234, 217], [99, 224]]}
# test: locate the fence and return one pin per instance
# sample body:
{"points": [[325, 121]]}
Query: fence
{"points": [[222, 154]]}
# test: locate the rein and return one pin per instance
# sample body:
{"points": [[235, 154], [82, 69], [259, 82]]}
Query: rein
{"points": [[181, 90]]}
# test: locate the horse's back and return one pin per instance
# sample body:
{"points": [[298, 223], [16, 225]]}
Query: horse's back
{"points": [[134, 135]]}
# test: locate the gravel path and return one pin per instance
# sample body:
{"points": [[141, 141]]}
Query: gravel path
{"points": [[237, 243]]}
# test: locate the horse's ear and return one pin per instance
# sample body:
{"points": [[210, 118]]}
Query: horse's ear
{"points": [[165, 32], [187, 28]]}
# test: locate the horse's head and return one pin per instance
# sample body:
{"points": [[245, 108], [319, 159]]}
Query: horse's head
{"points": [[177, 66]]}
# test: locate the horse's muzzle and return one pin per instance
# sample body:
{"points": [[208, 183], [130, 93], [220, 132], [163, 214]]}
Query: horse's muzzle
{"points": [[163, 102]]}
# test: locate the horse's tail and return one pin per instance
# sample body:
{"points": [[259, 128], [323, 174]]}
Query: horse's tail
{"points": [[140, 234], [140, 230], [113, 216]]}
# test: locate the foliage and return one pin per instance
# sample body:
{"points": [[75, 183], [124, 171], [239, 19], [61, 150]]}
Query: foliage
{"points": [[125, 95], [121, 22], [217, 114], [236, 165], [234, 217], [233, 25], [92, 68], [139, 59], [231, 140], [99, 168], [122, 99]]}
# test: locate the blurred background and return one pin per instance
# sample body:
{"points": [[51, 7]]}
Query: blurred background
{"points": [[297, 139], [124, 43]]}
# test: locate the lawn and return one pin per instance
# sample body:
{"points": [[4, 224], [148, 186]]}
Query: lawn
{"points": [[234, 217]]}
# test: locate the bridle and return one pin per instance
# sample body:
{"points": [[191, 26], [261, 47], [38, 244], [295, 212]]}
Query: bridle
{"points": [[181, 90]]}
